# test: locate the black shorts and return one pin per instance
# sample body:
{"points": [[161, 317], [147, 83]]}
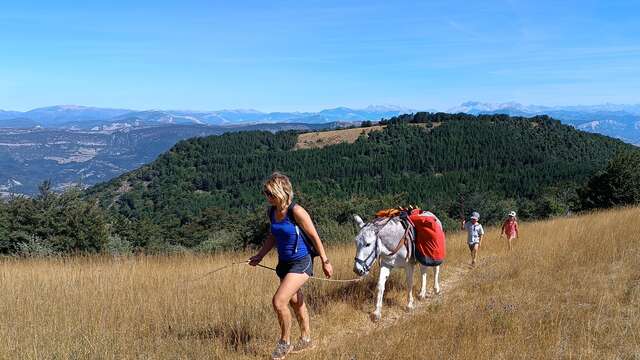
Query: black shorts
{"points": [[471, 246], [301, 266]]}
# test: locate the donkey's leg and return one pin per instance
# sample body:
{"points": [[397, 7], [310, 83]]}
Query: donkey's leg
{"points": [[382, 279], [436, 279], [409, 271], [423, 283]]}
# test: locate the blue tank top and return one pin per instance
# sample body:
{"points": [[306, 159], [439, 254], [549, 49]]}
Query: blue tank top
{"points": [[289, 242]]}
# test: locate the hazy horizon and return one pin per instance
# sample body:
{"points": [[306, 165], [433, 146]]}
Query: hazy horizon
{"points": [[337, 106]]}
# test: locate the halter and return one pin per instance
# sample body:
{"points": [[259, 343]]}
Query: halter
{"points": [[376, 251], [404, 241], [373, 256]]}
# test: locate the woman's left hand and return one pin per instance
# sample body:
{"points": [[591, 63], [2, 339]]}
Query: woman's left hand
{"points": [[255, 260], [327, 269]]}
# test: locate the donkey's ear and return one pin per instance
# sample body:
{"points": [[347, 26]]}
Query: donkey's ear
{"points": [[358, 220]]}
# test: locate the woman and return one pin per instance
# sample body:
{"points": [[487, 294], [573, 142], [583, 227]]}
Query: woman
{"points": [[510, 228], [295, 264]]}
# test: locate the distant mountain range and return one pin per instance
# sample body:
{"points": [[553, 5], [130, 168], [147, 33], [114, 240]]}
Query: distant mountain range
{"points": [[483, 107], [619, 121], [92, 118]]}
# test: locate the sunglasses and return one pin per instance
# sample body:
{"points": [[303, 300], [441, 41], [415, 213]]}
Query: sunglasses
{"points": [[267, 193]]}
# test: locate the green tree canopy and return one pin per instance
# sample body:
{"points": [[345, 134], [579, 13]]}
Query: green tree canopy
{"points": [[618, 184]]}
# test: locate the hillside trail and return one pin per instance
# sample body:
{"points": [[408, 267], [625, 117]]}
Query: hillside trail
{"points": [[361, 325]]}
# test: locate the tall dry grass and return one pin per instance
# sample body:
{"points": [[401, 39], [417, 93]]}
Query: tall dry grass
{"points": [[570, 289]]}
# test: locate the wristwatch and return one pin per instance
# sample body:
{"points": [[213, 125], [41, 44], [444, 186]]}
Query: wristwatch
{"points": [[326, 261]]}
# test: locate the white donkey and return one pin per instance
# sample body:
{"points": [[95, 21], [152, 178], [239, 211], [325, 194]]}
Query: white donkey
{"points": [[384, 238]]}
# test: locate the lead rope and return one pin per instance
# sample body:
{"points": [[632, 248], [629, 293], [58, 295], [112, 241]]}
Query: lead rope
{"points": [[218, 269], [319, 278], [273, 269]]}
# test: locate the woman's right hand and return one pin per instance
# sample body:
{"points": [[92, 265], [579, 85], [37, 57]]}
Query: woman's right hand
{"points": [[255, 260]]}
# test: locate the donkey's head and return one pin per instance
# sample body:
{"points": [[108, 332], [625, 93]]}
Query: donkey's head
{"points": [[367, 247]]}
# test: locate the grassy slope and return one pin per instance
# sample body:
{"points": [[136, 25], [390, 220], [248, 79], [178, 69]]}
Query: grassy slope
{"points": [[570, 289], [320, 139]]}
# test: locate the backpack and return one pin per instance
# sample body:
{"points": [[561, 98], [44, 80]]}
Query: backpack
{"points": [[313, 252], [430, 237]]}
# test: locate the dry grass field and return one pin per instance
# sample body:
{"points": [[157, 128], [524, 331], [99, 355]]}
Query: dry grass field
{"points": [[320, 139], [315, 140], [569, 290]]}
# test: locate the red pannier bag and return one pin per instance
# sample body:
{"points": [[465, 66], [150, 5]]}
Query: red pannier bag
{"points": [[430, 238]]}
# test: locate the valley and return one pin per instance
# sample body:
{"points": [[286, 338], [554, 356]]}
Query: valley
{"points": [[86, 157]]}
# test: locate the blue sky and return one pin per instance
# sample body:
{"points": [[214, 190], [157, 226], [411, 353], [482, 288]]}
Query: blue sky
{"points": [[309, 55]]}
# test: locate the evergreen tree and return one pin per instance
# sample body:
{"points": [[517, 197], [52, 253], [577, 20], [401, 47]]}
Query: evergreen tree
{"points": [[5, 244], [617, 185], [59, 223]]}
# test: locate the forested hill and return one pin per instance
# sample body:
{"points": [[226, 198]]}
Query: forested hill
{"points": [[207, 190]]}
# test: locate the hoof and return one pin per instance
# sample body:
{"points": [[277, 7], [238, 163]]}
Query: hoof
{"points": [[410, 307], [422, 296], [437, 291], [375, 317]]}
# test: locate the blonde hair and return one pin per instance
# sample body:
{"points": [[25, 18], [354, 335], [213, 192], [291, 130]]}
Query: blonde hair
{"points": [[279, 186]]}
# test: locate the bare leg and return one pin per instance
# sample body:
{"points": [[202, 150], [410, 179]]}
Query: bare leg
{"points": [[289, 286], [409, 271], [384, 274], [423, 285], [510, 247], [302, 314], [474, 253]]}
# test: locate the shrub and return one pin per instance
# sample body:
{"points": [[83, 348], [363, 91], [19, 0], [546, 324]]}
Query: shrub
{"points": [[117, 246], [35, 247], [220, 240]]}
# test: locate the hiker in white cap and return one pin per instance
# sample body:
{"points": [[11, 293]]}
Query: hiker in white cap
{"points": [[510, 228], [474, 237]]}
